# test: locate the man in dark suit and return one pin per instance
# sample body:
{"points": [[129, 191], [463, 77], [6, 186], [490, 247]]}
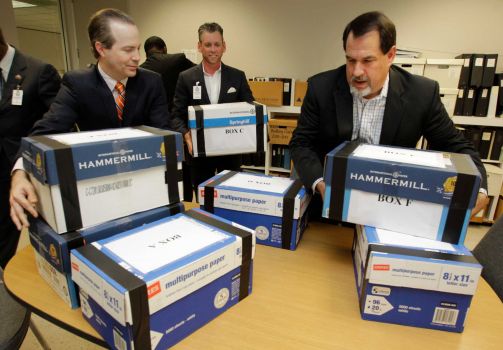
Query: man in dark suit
{"points": [[207, 83], [113, 93], [370, 100], [38, 82], [169, 66]]}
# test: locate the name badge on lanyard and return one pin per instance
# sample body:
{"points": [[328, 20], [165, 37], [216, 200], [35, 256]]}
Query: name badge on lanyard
{"points": [[196, 91], [17, 94]]}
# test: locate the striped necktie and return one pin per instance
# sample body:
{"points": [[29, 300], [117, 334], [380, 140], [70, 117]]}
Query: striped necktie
{"points": [[120, 101], [2, 83]]}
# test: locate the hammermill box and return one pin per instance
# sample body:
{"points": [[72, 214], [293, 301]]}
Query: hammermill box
{"points": [[412, 280], [52, 250], [150, 287], [228, 128], [275, 207], [86, 178], [422, 193]]}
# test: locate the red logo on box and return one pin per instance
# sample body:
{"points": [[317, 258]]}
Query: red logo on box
{"points": [[75, 266], [154, 289], [201, 193], [380, 267]]}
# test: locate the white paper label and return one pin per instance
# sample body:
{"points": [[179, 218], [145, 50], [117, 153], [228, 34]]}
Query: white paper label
{"points": [[470, 93], [196, 92], [402, 239], [408, 156], [484, 93], [491, 63], [479, 62], [76, 138], [17, 97], [258, 183]]}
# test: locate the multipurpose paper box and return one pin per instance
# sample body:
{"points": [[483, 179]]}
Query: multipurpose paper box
{"points": [[275, 207], [53, 249], [228, 128], [138, 275], [87, 178], [412, 280], [422, 193]]}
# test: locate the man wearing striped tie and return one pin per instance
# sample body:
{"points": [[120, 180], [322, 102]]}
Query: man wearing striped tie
{"points": [[112, 93]]}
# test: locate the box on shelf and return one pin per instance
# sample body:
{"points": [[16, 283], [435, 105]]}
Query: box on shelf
{"points": [[281, 129], [228, 128], [269, 93], [411, 65], [448, 98], [423, 193], [445, 71], [53, 249], [275, 207], [150, 287], [413, 281], [299, 92], [125, 170]]}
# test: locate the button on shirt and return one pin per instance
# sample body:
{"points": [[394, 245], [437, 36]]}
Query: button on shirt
{"points": [[368, 116], [213, 83]]}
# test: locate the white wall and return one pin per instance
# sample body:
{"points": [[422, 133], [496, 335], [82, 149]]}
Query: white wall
{"points": [[45, 46], [298, 38], [7, 22]]}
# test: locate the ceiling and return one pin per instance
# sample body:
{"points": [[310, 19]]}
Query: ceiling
{"points": [[44, 16]]}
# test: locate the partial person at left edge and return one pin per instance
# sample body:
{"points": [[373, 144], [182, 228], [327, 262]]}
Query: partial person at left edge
{"points": [[27, 88], [111, 94]]}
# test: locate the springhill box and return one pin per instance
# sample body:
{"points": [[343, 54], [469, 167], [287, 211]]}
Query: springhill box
{"points": [[413, 281], [423, 193], [228, 128], [53, 249], [87, 178], [275, 207], [150, 287]]}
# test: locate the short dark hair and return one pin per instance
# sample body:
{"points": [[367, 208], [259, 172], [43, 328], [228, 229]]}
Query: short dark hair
{"points": [[368, 22], [99, 27], [154, 43], [210, 28]]}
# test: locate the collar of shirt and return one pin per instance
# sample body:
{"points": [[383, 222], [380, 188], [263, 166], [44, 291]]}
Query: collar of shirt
{"points": [[110, 81], [382, 95], [6, 62], [213, 83]]}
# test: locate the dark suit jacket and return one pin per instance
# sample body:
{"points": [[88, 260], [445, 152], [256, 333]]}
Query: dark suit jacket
{"points": [[40, 83], [231, 78], [85, 99], [169, 66], [413, 109]]}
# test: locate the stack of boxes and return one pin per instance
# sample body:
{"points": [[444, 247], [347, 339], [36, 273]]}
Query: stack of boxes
{"points": [[98, 192], [413, 207]]}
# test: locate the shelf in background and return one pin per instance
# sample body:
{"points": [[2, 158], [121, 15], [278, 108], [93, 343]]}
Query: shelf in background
{"points": [[481, 121]]}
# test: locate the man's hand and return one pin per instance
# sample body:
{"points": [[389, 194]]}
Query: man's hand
{"points": [[482, 201], [320, 187], [22, 197], [188, 140]]}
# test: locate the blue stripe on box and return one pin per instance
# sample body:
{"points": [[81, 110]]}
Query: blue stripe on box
{"points": [[226, 122]]}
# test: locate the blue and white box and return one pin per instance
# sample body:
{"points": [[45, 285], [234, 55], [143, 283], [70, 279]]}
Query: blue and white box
{"points": [[422, 193], [53, 249], [156, 284], [275, 207], [125, 170], [228, 128], [413, 281]]}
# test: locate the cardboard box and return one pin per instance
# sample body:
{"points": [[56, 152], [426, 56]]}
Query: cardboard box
{"points": [[422, 193], [446, 71], [142, 278], [299, 92], [448, 98], [269, 93], [87, 178], [413, 281], [228, 128], [275, 207], [411, 65], [281, 130], [53, 249]]}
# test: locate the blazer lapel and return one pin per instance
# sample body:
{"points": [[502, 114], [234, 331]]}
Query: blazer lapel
{"points": [[224, 84], [107, 99], [131, 100], [17, 68], [393, 112], [343, 108]]}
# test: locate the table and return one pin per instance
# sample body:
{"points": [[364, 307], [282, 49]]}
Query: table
{"points": [[303, 299]]}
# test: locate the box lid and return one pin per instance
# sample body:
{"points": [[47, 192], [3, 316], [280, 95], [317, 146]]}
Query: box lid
{"points": [[91, 154]]}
